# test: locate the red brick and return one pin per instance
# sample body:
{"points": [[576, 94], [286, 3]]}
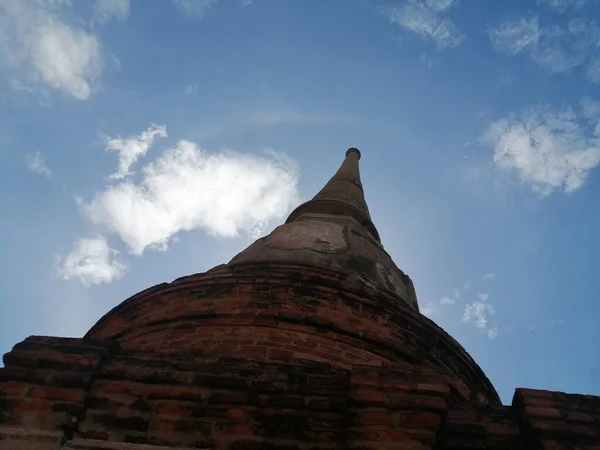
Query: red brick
{"points": [[237, 414], [461, 415], [420, 420], [56, 393], [368, 397], [397, 385], [535, 393], [275, 353], [540, 411], [173, 409], [501, 429], [374, 417], [234, 429], [422, 403], [13, 388], [359, 381], [93, 434], [32, 405], [442, 389], [577, 416]]}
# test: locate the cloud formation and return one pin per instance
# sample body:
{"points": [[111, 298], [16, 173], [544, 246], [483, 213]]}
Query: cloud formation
{"points": [[194, 8], [427, 19], [561, 6], [546, 148], [554, 48], [433, 309], [478, 313], [36, 43], [36, 164], [106, 10], [191, 89], [188, 188], [132, 148], [92, 261]]}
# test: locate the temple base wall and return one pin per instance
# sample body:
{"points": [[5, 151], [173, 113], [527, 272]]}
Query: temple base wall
{"points": [[74, 394]]}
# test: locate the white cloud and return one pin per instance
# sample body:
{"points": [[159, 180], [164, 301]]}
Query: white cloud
{"points": [[193, 8], [590, 108], [456, 293], [187, 188], [440, 5], [561, 6], [433, 309], [447, 301], [489, 276], [548, 149], [592, 72], [92, 261], [191, 89], [492, 332], [132, 148], [36, 164], [425, 19], [483, 297], [515, 37], [36, 42], [554, 48], [478, 312], [105, 10], [506, 81]]}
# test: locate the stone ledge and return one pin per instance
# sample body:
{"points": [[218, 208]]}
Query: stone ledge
{"points": [[13, 438], [92, 444]]}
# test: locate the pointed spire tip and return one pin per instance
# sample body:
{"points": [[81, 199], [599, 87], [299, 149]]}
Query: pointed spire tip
{"points": [[353, 150]]}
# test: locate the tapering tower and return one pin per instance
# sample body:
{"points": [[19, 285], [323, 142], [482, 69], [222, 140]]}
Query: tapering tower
{"points": [[310, 338]]}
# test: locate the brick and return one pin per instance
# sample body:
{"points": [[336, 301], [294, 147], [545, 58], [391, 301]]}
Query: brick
{"points": [[56, 393], [368, 397], [187, 425], [375, 417], [398, 437], [93, 434], [286, 401], [420, 420], [223, 382], [420, 402], [111, 422], [234, 398], [442, 389], [577, 416], [397, 385], [13, 388], [174, 408], [541, 411], [501, 429], [461, 415], [234, 429]]}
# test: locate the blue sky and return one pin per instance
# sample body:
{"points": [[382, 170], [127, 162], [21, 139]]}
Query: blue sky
{"points": [[142, 141]]}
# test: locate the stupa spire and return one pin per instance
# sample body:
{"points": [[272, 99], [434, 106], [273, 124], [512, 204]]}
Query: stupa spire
{"points": [[334, 230], [343, 195]]}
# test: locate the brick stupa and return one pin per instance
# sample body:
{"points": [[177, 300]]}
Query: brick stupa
{"points": [[311, 338]]}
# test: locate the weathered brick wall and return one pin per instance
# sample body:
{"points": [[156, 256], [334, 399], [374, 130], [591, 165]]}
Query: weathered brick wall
{"points": [[559, 421], [146, 399], [60, 393], [43, 387], [287, 313]]}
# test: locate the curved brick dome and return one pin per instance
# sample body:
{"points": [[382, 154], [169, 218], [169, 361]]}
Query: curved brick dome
{"points": [[318, 289]]}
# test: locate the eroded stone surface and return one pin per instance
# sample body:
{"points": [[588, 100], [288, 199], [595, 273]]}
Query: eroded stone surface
{"points": [[340, 244]]}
